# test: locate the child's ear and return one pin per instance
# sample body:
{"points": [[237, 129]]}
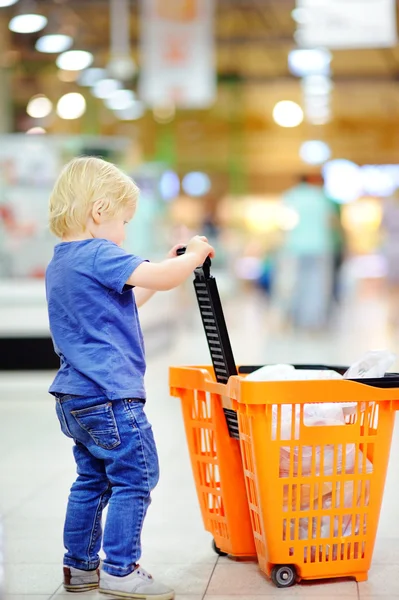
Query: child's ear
{"points": [[97, 211]]}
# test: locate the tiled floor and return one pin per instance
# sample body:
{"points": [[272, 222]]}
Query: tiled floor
{"points": [[36, 470]]}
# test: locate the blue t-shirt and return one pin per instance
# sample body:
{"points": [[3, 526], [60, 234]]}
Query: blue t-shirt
{"points": [[94, 321]]}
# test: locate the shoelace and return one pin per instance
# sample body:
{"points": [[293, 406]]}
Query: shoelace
{"points": [[142, 572]]}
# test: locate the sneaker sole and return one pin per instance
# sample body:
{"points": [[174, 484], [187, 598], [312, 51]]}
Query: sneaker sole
{"points": [[84, 587], [169, 596]]}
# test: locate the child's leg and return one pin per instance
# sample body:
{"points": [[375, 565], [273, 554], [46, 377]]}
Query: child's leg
{"points": [[89, 496], [115, 444], [133, 472]]}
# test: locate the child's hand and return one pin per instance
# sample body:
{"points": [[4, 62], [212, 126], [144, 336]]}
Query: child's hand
{"points": [[199, 245], [173, 252]]}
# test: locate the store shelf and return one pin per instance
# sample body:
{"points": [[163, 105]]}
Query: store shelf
{"points": [[25, 341]]}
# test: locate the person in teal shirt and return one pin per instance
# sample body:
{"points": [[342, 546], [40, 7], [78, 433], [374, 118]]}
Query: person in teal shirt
{"points": [[308, 252]]}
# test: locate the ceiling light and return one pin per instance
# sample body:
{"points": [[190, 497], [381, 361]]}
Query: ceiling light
{"points": [[30, 23], [169, 185], [302, 62], [288, 114], [342, 180], [120, 100], [314, 152], [196, 183], [105, 88], [91, 76], [134, 112], [71, 106], [39, 107], [54, 43], [36, 131], [4, 3], [74, 60]]}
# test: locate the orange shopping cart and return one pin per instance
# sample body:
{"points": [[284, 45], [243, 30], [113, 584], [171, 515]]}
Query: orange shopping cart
{"points": [[314, 489], [324, 483]]}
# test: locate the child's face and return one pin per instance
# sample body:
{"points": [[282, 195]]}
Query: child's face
{"points": [[113, 228]]}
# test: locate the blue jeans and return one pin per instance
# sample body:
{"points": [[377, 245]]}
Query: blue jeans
{"points": [[117, 464]]}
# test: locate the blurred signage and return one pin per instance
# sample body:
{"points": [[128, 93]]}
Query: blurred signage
{"points": [[177, 53], [347, 23]]}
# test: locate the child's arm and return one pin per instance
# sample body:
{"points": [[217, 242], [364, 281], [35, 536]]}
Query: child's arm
{"points": [[141, 294], [170, 273]]}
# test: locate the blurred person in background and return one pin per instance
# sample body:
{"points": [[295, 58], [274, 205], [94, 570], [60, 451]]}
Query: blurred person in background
{"points": [[306, 261], [390, 227]]}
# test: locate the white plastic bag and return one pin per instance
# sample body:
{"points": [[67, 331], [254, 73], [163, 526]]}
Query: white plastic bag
{"points": [[272, 373], [289, 373], [372, 365], [352, 491]]}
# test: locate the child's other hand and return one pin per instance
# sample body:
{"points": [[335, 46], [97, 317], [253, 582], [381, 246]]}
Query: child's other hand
{"points": [[173, 252], [199, 245]]}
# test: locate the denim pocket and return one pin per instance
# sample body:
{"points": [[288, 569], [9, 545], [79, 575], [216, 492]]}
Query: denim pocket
{"points": [[100, 424], [135, 409], [61, 418]]}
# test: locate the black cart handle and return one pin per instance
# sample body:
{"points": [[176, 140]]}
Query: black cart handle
{"points": [[216, 333], [204, 269]]}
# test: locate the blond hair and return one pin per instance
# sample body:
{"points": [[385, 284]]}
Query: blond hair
{"points": [[80, 184]]}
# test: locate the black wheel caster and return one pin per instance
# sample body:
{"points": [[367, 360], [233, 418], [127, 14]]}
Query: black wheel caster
{"points": [[218, 550], [283, 576]]}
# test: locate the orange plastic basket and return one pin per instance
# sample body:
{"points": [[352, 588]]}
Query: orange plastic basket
{"points": [[215, 459], [314, 491]]}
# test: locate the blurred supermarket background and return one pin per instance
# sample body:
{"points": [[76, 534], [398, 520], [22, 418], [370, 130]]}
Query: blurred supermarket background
{"points": [[271, 126], [267, 125]]}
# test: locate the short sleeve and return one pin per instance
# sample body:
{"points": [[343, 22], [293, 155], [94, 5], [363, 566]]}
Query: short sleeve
{"points": [[113, 266]]}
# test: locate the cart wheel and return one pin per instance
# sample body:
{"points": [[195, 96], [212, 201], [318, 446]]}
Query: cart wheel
{"points": [[283, 576], [218, 550]]}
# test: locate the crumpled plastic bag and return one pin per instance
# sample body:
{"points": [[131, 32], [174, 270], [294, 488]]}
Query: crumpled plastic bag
{"points": [[300, 460], [289, 373], [372, 365]]}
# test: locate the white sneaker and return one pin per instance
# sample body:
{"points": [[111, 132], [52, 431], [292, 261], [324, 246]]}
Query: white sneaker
{"points": [[139, 585], [77, 580]]}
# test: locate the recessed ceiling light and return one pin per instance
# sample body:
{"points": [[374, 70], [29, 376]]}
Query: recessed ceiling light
{"points": [[315, 61], [74, 60], [314, 152], [54, 43], [89, 77], [105, 88], [39, 107], [71, 106], [288, 114], [30, 23], [120, 100], [4, 3]]}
